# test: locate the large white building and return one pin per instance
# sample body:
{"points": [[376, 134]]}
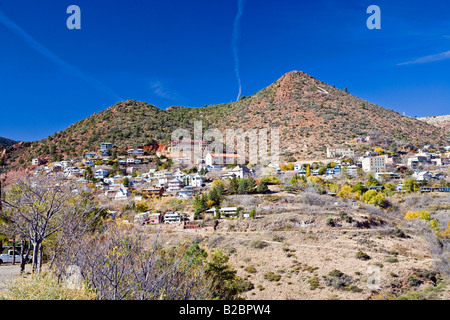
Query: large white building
{"points": [[175, 185], [172, 217], [352, 170], [374, 164], [221, 158], [336, 152], [197, 181], [122, 194], [105, 146]]}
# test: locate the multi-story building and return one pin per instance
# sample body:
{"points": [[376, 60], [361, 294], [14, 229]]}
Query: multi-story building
{"points": [[137, 152], [352, 170], [101, 173], [186, 192], [341, 151], [155, 218], [105, 146], [197, 181], [172, 217], [374, 164], [187, 145], [221, 158], [175, 185]]}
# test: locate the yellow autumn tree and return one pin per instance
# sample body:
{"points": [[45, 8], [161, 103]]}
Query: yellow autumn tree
{"points": [[317, 180], [446, 232], [423, 214], [346, 192], [217, 183]]}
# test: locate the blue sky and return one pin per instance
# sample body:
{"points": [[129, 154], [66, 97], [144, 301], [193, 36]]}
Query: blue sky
{"points": [[168, 52]]}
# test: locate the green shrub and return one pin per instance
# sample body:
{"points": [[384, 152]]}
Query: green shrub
{"points": [[344, 216], [288, 187], [258, 244], [353, 288], [272, 276], [278, 238], [338, 280], [313, 283], [393, 252], [392, 260], [362, 255], [250, 269], [399, 233], [330, 222], [414, 282]]}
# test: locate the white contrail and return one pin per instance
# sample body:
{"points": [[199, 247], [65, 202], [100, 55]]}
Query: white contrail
{"points": [[432, 58], [68, 68], [236, 32]]}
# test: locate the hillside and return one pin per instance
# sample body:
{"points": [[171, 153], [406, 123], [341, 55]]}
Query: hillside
{"points": [[310, 115], [6, 142], [438, 121]]}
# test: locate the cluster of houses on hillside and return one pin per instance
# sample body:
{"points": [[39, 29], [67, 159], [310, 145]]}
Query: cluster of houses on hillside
{"points": [[425, 165], [389, 166], [383, 166], [150, 184]]}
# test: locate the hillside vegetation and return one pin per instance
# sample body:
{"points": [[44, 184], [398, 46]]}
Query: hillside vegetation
{"points": [[6, 142], [310, 115]]}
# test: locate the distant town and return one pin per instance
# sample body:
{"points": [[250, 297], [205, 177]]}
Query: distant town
{"points": [[134, 177]]}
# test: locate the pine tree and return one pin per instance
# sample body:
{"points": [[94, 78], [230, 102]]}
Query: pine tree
{"points": [[243, 186], [262, 187], [251, 185], [234, 185]]}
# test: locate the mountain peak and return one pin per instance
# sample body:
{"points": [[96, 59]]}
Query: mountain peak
{"points": [[309, 114]]}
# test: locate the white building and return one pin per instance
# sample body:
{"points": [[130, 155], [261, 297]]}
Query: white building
{"points": [[227, 211], [374, 164], [172, 217], [386, 176], [101, 173], [220, 159], [122, 194], [163, 174], [105, 146], [90, 155], [179, 174], [341, 151], [175, 185], [186, 192], [197, 181], [162, 182], [422, 176], [352, 170]]}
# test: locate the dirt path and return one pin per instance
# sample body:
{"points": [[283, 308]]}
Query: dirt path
{"points": [[9, 272]]}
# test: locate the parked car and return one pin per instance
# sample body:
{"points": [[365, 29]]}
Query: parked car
{"points": [[8, 257]]}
